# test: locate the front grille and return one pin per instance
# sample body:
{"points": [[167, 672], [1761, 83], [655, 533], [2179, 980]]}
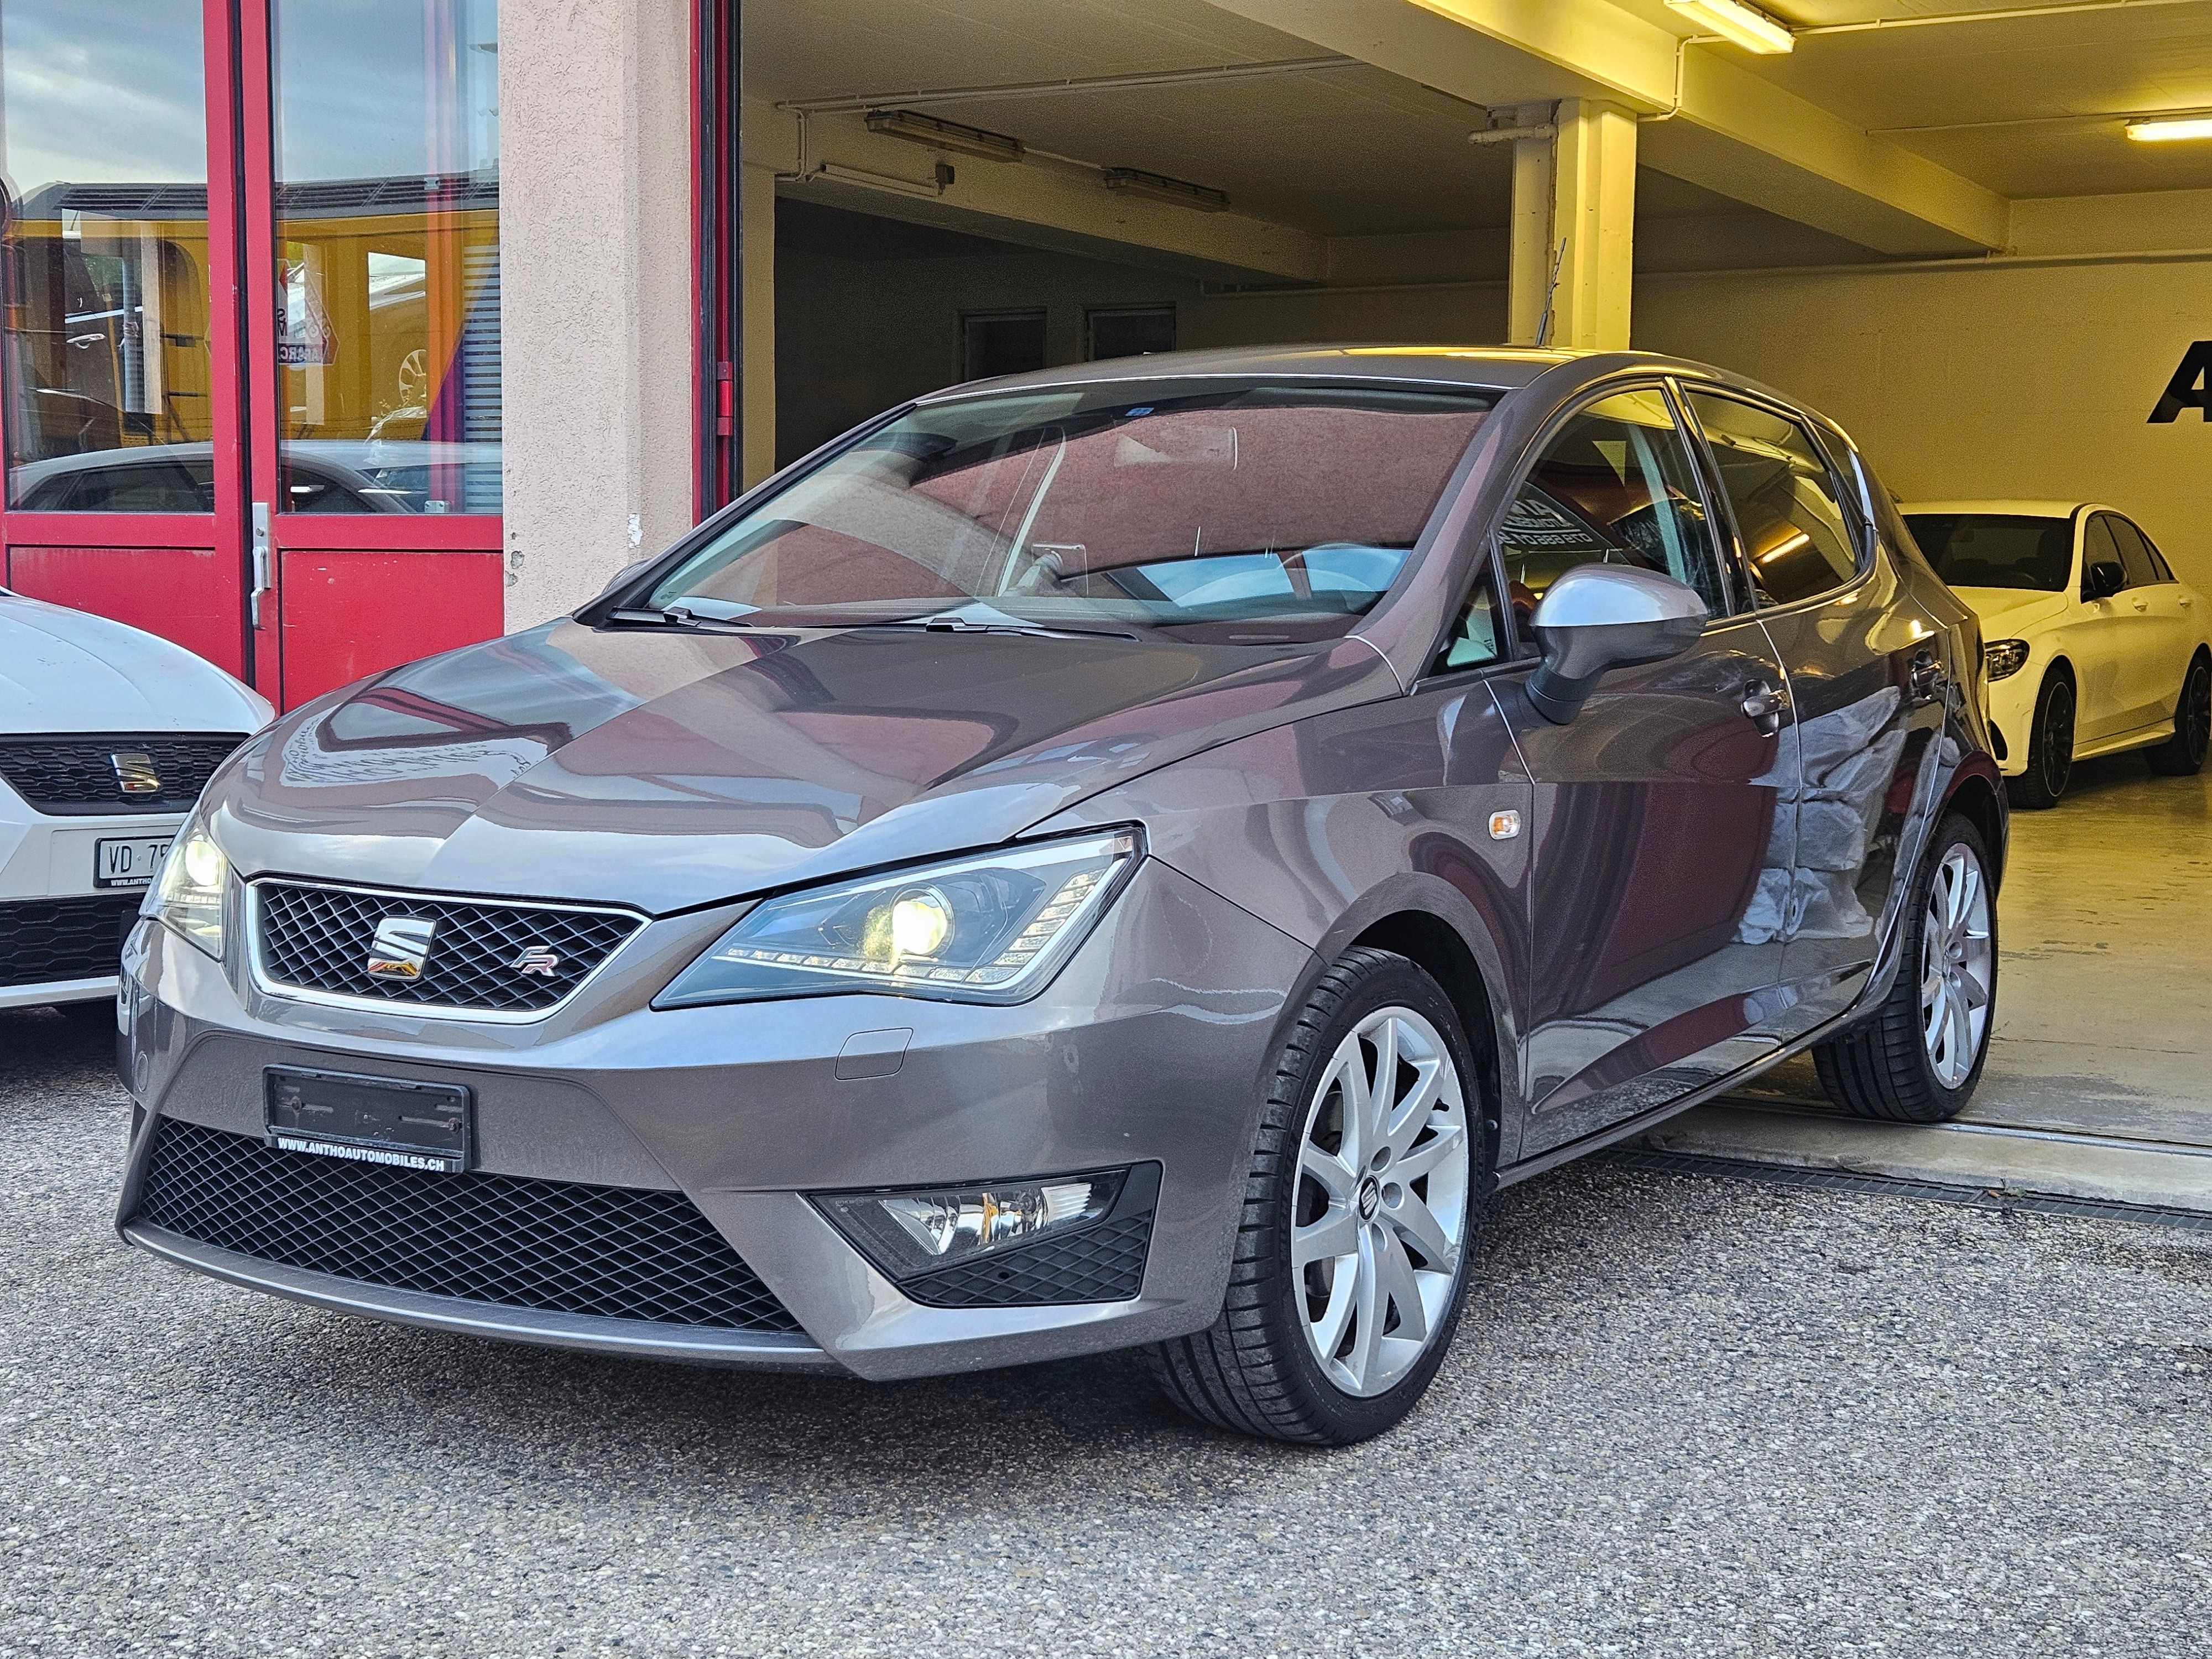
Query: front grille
{"points": [[46, 939], [318, 939], [78, 775], [556, 1246]]}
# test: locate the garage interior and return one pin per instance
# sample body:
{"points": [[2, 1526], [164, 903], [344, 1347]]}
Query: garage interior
{"points": [[1927, 218]]}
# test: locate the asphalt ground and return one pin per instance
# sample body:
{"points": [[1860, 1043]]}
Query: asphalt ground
{"points": [[1683, 1416]]}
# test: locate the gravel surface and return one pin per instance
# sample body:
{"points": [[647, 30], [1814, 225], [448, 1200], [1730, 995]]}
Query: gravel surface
{"points": [[1684, 1416]]}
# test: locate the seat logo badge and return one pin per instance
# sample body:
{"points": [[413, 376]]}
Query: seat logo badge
{"points": [[134, 771], [1504, 826], [537, 959], [400, 948]]}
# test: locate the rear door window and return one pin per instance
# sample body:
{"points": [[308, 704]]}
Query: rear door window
{"points": [[1614, 485], [2136, 557], [1799, 538], [2100, 545]]}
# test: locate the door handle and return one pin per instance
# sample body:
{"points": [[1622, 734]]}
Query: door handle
{"points": [[1926, 678], [1764, 705], [262, 569]]}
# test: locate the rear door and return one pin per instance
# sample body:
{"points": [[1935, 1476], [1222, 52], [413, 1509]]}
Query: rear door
{"points": [[1662, 838], [1870, 674], [2158, 640]]}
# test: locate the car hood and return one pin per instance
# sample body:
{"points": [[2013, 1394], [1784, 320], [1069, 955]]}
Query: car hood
{"points": [[67, 670], [2004, 612], [667, 769]]}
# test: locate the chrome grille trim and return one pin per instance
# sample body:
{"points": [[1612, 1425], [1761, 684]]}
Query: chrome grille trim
{"points": [[267, 980]]}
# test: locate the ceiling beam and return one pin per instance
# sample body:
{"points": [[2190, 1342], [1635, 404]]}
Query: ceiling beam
{"points": [[1732, 132]]}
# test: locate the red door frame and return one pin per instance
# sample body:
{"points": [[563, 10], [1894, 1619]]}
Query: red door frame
{"points": [[359, 556]]}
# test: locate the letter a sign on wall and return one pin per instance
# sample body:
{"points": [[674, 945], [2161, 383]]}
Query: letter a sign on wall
{"points": [[2189, 388]]}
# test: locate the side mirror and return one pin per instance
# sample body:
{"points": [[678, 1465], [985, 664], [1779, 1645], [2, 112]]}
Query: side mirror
{"points": [[2106, 577], [1597, 616]]}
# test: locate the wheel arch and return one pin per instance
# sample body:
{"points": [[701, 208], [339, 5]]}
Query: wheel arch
{"points": [[1974, 796], [1436, 947]]}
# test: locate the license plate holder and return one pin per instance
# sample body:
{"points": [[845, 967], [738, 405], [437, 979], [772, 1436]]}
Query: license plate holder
{"points": [[128, 862], [395, 1121]]}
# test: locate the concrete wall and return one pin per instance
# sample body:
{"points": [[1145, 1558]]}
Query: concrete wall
{"points": [[595, 273], [2020, 380]]}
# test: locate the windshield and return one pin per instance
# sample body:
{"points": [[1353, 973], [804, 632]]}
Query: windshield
{"points": [[1220, 509], [1997, 550]]}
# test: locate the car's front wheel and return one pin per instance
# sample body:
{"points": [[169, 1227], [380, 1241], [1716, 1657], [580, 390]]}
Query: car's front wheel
{"points": [[2049, 747], [2182, 755], [1368, 1178], [1917, 1058]]}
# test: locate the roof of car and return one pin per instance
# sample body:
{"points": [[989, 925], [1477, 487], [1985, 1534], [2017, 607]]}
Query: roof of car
{"points": [[1503, 367], [2015, 509]]}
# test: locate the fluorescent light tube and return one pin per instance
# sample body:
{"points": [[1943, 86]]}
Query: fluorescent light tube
{"points": [[1744, 26], [1161, 188], [914, 126], [2169, 129]]}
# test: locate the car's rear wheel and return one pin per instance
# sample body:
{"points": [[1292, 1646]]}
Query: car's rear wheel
{"points": [[2182, 755], [2049, 747], [1917, 1058], [1368, 1178]]}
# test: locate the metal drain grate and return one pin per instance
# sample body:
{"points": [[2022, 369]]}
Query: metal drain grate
{"points": [[558, 1246]]}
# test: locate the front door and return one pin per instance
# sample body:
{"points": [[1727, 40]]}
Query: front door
{"points": [[1662, 836]]}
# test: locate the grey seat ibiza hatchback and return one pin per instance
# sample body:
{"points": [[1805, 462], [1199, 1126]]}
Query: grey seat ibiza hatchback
{"points": [[1134, 855]]}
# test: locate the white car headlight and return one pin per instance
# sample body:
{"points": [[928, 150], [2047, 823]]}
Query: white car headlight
{"points": [[190, 897], [2002, 658], [994, 927]]}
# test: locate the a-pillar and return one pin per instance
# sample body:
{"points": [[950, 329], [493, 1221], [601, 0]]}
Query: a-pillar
{"points": [[595, 274], [1573, 226]]}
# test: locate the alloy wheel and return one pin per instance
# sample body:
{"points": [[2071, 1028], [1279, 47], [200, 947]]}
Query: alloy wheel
{"points": [[1956, 959], [1382, 1201], [2058, 740]]}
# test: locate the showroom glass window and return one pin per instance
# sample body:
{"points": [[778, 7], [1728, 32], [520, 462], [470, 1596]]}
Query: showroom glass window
{"points": [[103, 154], [1798, 534], [1614, 485], [387, 231]]}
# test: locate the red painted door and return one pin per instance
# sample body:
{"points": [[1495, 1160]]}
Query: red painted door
{"points": [[119, 271], [372, 260]]}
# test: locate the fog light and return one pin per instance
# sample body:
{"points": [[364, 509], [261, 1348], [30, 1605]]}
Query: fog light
{"points": [[914, 1231]]}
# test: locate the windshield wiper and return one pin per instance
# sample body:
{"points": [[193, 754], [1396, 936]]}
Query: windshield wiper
{"points": [[680, 616]]}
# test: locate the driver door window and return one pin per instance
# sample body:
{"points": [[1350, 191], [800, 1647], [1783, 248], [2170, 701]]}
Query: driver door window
{"points": [[1798, 534], [1613, 486]]}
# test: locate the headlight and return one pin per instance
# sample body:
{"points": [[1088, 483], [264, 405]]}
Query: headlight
{"points": [[991, 928], [189, 898], [2003, 658]]}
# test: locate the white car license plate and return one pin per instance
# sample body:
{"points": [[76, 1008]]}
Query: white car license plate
{"points": [[127, 863]]}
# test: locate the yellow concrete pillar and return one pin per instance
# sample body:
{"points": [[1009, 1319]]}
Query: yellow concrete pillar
{"points": [[1529, 278], [1593, 225]]}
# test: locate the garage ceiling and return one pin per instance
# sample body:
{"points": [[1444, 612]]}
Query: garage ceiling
{"points": [[2022, 106]]}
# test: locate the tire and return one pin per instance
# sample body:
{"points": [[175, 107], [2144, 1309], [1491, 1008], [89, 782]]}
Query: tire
{"points": [[1260, 1368], [1895, 1064], [2182, 755], [2049, 747]]}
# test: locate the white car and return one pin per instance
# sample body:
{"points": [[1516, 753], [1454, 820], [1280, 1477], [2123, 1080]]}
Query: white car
{"points": [[2090, 645], [106, 735]]}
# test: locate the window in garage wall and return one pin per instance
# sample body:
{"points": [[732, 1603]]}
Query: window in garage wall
{"points": [[1127, 331], [387, 231], [103, 151], [1000, 343]]}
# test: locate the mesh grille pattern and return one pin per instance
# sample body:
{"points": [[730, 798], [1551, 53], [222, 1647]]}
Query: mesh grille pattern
{"points": [[318, 939], [557, 1246], [1100, 1264], [64, 939], [76, 775]]}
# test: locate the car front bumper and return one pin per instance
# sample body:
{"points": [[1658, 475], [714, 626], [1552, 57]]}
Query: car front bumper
{"points": [[52, 912], [2010, 703], [1146, 1049]]}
